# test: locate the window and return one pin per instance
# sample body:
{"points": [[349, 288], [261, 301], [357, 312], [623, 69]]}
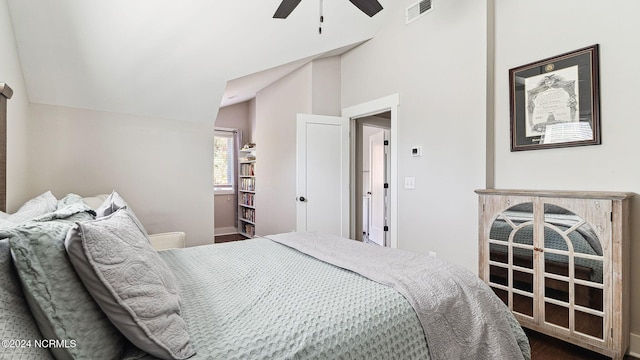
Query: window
{"points": [[223, 162]]}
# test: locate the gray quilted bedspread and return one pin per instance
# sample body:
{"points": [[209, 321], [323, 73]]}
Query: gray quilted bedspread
{"points": [[461, 317], [257, 299]]}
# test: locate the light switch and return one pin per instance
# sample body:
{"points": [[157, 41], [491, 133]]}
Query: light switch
{"points": [[409, 183]]}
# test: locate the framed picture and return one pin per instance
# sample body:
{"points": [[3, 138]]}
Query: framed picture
{"points": [[555, 102]]}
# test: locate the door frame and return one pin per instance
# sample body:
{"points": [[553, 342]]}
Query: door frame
{"points": [[373, 107]]}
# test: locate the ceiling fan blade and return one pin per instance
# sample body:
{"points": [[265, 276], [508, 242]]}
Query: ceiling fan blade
{"points": [[285, 8], [369, 7]]}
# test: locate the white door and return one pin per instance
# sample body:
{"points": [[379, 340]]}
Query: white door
{"points": [[322, 174], [379, 193]]}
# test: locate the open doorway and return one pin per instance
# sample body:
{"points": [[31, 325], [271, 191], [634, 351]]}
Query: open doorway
{"points": [[388, 106], [372, 179]]}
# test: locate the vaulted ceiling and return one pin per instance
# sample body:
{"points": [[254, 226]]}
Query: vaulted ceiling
{"points": [[169, 59]]}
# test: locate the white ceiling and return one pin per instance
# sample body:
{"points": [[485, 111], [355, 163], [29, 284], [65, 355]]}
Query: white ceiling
{"points": [[171, 59]]}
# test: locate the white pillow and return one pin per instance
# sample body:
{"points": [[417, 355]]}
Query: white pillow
{"points": [[113, 203], [94, 202]]}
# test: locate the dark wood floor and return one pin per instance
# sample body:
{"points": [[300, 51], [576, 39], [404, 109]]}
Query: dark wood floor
{"points": [[547, 348], [227, 238]]}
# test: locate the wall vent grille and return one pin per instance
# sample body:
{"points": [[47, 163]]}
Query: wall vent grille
{"points": [[418, 9]]}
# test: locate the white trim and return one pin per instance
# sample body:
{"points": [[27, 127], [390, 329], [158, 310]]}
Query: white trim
{"points": [[223, 191], [225, 231], [634, 345], [388, 103]]}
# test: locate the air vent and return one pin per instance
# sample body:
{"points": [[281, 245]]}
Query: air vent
{"points": [[417, 10]]}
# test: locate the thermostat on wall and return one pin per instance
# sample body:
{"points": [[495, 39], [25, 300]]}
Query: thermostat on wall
{"points": [[416, 151]]}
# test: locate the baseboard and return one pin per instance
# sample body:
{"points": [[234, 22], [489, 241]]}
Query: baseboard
{"points": [[225, 231], [634, 345]]}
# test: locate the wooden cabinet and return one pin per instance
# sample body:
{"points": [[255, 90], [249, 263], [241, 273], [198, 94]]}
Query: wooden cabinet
{"points": [[560, 261], [247, 193]]}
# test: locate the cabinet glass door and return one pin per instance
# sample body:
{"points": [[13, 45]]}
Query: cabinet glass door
{"points": [[572, 266], [511, 274]]}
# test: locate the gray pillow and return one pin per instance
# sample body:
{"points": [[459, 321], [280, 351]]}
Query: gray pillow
{"points": [[131, 283], [62, 307], [38, 206], [114, 202], [16, 322]]}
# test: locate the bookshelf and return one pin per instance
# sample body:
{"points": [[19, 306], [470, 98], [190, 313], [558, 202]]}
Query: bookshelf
{"points": [[247, 193]]}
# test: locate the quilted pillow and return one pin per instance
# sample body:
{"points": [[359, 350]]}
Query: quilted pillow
{"points": [[35, 207], [59, 302], [131, 283], [16, 322], [114, 202]]}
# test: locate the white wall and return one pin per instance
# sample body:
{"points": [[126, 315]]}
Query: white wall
{"points": [[17, 115], [163, 168], [438, 66], [570, 25]]}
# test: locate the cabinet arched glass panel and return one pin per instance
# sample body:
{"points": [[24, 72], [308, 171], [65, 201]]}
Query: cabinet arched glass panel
{"points": [[511, 258], [569, 254], [573, 273]]}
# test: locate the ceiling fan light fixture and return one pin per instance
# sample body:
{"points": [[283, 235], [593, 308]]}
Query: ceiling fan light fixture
{"points": [[369, 7], [285, 8]]}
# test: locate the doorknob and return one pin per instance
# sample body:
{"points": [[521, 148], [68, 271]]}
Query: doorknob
{"points": [[302, 199]]}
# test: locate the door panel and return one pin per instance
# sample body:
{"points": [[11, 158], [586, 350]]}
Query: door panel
{"points": [[323, 174], [377, 173]]}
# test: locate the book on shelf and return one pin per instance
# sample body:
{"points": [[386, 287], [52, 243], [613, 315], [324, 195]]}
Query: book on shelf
{"points": [[247, 169], [247, 199], [247, 184]]}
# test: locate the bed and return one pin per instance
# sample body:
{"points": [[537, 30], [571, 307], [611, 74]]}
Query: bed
{"points": [[78, 283]]}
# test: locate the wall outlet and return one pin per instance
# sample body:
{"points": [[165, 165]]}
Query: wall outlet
{"points": [[433, 254], [409, 183]]}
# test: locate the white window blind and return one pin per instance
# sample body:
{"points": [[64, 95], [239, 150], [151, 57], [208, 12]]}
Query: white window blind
{"points": [[223, 161]]}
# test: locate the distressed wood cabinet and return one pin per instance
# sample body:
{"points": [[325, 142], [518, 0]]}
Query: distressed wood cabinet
{"points": [[560, 261]]}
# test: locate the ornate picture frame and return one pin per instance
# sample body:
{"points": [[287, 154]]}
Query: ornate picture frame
{"points": [[555, 102]]}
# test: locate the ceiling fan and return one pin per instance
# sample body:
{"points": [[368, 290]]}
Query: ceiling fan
{"points": [[369, 7]]}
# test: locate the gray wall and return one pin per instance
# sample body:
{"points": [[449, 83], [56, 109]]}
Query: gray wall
{"points": [[275, 135], [437, 65], [314, 88], [163, 168]]}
